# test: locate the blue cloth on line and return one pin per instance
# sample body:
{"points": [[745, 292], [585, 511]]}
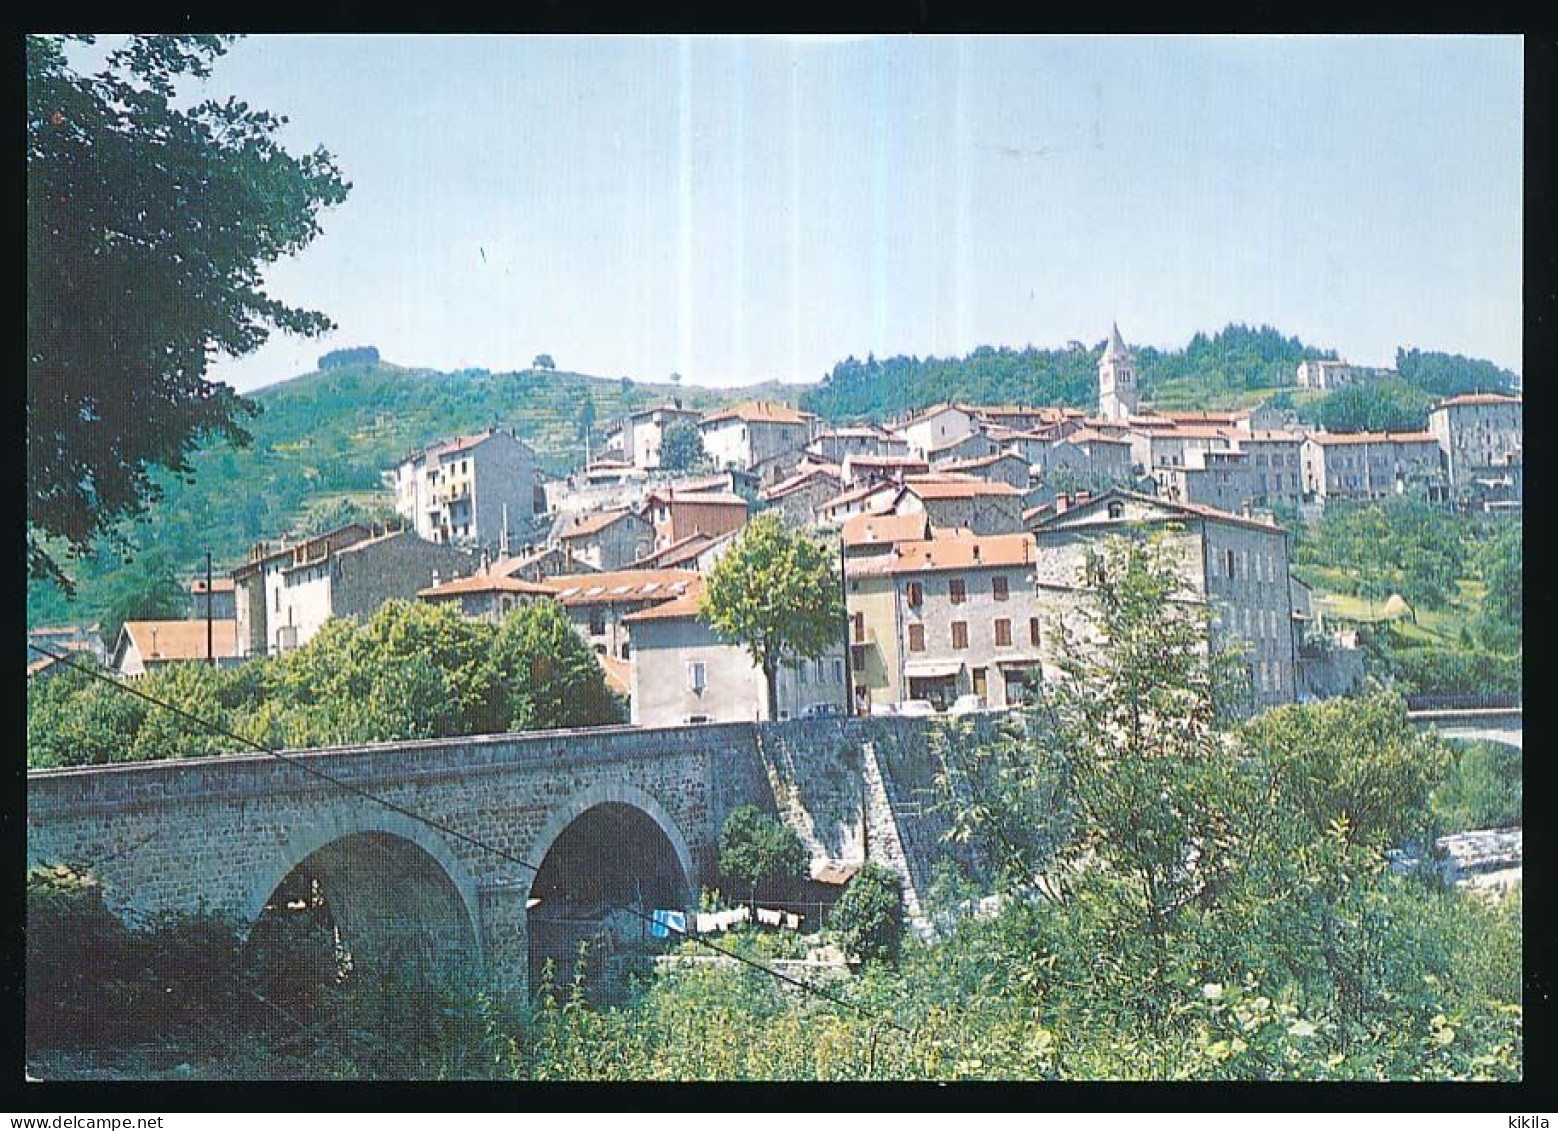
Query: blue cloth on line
{"points": [[664, 922]]}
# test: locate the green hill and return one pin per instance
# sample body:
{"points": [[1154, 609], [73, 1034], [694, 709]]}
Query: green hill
{"points": [[320, 445], [1235, 367]]}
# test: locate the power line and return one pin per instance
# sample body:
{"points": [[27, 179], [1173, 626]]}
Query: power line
{"points": [[466, 838]]}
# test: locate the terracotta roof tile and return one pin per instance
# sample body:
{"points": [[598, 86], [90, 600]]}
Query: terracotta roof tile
{"points": [[182, 639]]}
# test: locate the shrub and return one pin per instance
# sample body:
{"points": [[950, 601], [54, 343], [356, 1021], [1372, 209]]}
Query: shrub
{"points": [[868, 918], [761, 853]]}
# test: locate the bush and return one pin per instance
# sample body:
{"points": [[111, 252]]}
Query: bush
{"points": [[868, 918], [1483, 789], [761, 853]]}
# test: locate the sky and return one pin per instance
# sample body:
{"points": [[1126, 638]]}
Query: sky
{"points": [[742, 209]]}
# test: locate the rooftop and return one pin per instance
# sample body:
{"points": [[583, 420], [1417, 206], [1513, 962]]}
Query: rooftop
{"points": [[181, 639], [946, 487], [485, 583], [764, 412], [587, 524], [956, 550], [1478, 398], [621, 585], [684, 606], [1331, 438], [882, 529]]}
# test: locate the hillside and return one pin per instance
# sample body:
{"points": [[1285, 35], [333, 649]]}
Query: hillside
{"points": [[1232, 368], [320, 445]]}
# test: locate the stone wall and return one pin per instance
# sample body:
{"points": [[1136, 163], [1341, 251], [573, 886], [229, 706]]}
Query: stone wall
{"points": [[222, 833]]}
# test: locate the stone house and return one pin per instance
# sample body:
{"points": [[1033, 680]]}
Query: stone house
{"points": [[972, 504], [797, 498], [683, 673], [489, 597], [597, 603], [934, 427], [284, 596], [836, 444], [858, 470], [608, 540], [1237, 565], [477, 490], [220, 603], [1003, 467], [150, 645], [754, 431], [534, 565], [1221, 479], [1481, 436], [1276, 466], [1371, 465], [975, 445], [870, 497], [643, 431], [942, 617], [676, 514]]}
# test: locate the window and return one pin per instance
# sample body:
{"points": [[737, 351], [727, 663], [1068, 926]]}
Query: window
{"points": [[1117, 509], [1003, 633], [960, 634], [857, 657], [1228, 563], [278, 600], [957, 589], [697, 676], [822, 671], [916, 638], [998, 588], [838, 671], [1033, 630], [597, 622], [800, 672], [916, 594], [859, 623], [624, 650]]}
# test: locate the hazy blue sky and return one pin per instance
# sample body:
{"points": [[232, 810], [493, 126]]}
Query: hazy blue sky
{"points": [[745, 209]]}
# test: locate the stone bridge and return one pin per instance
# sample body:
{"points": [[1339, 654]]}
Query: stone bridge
{"points": [[607, 816], [1501, 724]]}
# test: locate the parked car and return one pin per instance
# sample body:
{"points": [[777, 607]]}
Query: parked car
{"points": [[883, 710], [822, 711], [916, 708], [968, 705]]}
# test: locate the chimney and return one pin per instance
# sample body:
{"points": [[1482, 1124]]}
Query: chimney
{"points": [[976, 551], [435, 579], [1062, 503], [1083, 496]]}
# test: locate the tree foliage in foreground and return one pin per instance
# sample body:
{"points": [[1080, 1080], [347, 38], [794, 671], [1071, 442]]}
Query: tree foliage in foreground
{"points": [[148, 229], [412, 671]]}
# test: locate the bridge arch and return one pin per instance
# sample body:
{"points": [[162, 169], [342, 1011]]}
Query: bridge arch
{"points": [[391, 883], [607, 847]]}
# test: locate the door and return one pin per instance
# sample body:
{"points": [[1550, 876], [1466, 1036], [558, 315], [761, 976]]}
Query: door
{"points": [[979, 684]]}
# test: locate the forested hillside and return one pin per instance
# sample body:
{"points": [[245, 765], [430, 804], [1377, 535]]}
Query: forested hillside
{"points": [[1210, 372]]}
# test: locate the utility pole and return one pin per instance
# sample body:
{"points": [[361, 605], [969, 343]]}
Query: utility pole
{"points": [[849, 652], [210, 620]]}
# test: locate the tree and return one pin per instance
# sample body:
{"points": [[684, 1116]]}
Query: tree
{"points": [[547, 674], [148, 227], [543, 361], [868, 918], [681, 446], [776, 594], [676, 378], [760, 852]]}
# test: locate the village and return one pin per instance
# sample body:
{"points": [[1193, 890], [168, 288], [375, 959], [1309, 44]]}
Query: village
{"points": [[961, 533]]}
